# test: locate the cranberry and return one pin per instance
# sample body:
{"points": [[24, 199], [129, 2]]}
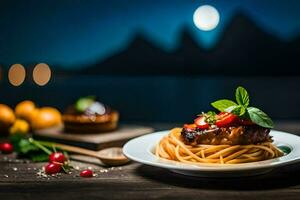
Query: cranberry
{"points": [[57, 157], [6, 147], [52, 168], [86, 173]]}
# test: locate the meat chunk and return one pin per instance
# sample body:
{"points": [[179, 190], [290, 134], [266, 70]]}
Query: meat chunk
{"points": [[234, 135]]}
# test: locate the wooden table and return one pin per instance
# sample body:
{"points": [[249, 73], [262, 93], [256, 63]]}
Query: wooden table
{"points": [[19, 180]]}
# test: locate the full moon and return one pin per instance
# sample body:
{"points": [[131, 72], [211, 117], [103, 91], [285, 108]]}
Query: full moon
{"points": [[206, 18]]}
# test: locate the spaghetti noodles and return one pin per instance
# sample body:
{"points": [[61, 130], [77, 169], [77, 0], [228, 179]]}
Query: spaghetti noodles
{"points": [[171, 147]]}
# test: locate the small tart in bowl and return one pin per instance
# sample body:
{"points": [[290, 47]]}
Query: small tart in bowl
{"points": [[89, 116]]}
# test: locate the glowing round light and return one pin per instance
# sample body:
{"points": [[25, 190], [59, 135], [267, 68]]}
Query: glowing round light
{"points": [[41, 74], [16, 74], [206, 18]]}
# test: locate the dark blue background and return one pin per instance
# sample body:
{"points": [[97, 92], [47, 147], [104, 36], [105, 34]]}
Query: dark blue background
{"points": [[75, 33], [148, 60]]}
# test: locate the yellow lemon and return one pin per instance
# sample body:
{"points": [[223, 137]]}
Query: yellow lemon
{"points": [[25, 110], [19, 127], [7, 117]]}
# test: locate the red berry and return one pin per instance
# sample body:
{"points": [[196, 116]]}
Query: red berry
{"points": [[52, 168], [57, 157], [6, 147], [86, 173]]}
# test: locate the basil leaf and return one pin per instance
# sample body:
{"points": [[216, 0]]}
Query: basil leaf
{"points": [[39, 157], [242, 96], [223, 104], [237, 110], [25, 146], [260, 118]]}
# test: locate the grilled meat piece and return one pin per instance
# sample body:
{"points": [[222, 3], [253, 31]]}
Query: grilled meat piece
{"points": [[234, 135]]}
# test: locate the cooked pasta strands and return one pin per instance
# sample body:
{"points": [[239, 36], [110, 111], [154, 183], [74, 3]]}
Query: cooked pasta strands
{"points": [[221, 159], [162, 151], [202, 153], [236, 161], [172, 148], [224, 151], [250, 155], [235, 155]]}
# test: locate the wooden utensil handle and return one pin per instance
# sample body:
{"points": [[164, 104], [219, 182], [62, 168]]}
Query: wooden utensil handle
{"points": [[77, 150]]}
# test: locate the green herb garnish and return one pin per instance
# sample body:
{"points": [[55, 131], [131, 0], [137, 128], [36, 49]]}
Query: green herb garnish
{"points": [[209, 117], [223, 104], [35, 150], [84, 102], [242, 110], [29, 148]]}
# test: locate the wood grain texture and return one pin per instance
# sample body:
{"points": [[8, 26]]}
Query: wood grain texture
{"points": [[136, 181], [95, 141]]}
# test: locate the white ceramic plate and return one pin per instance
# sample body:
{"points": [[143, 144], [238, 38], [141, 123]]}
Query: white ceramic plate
{"points": [[141, 150]]}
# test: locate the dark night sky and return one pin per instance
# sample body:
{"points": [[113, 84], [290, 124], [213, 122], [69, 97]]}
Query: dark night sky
{"points": [[74, 33]]}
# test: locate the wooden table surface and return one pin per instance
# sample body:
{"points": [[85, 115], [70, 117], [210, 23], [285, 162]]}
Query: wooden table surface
{"points": [[20, 180]]}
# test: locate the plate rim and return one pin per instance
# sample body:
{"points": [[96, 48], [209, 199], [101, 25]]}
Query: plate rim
{"points": [[292, 157]]}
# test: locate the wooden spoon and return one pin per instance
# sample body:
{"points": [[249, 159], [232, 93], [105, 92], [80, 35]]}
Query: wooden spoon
{"points": [[112, 156]]}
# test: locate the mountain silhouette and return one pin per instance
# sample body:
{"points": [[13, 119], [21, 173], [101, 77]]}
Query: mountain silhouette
{"points": [[245, 46], [243, 49]]}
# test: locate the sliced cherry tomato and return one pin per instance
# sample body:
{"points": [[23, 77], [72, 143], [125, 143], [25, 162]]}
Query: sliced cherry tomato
{"points": [[225, 119], [201, 123], [190, 126]]}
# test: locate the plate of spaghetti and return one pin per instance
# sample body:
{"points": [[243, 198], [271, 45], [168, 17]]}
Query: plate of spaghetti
{"points": [[236, 141]]}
